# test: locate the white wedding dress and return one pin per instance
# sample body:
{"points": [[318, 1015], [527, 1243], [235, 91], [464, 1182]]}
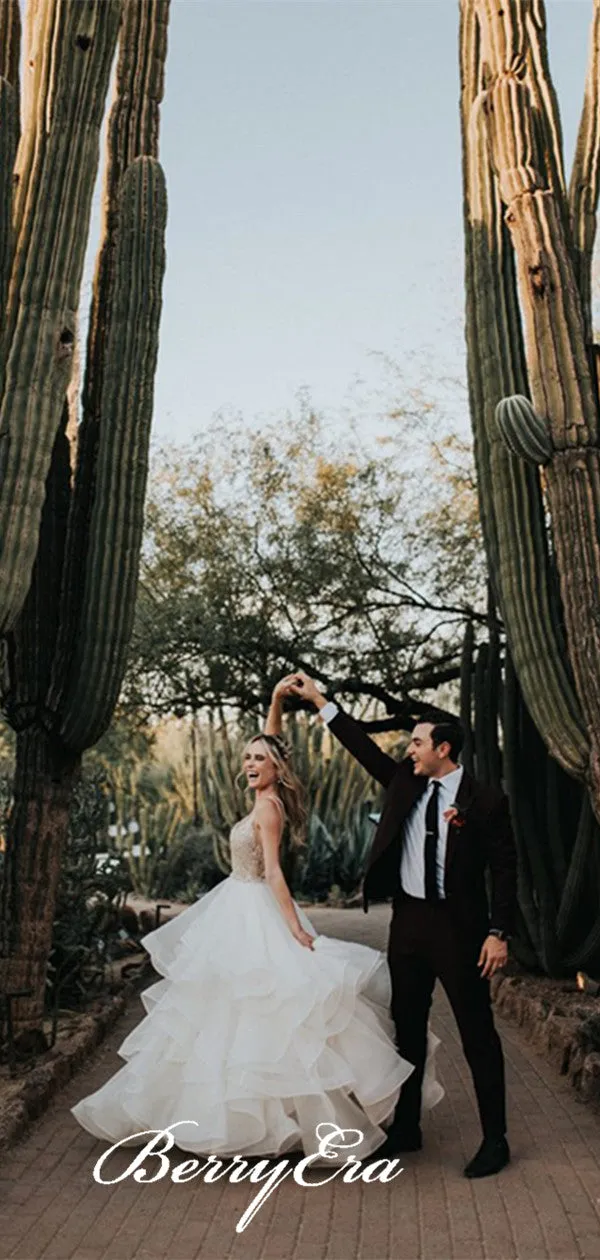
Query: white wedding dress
{"points": [[256, 1038]]}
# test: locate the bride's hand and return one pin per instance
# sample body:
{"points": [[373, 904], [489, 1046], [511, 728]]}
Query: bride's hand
{"points": [[303, 938], [284, 686], [304, 686]]}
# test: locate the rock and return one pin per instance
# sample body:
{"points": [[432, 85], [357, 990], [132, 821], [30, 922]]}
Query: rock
{"points": [[590, 1077], [535, 1013], [559, 1038], [27, 1097], [556, 1028]]}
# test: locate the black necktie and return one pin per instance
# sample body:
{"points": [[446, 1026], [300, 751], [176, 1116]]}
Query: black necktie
{"points": [[431, 843]]}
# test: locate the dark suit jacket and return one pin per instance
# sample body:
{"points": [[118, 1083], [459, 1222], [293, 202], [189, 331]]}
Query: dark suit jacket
{"points": [[480, 838]]}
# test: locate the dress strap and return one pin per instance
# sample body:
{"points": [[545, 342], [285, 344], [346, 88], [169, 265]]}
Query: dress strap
{"points": [[276, 801]]}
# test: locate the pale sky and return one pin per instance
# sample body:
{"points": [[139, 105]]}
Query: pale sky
{"points": [[313, 166]]}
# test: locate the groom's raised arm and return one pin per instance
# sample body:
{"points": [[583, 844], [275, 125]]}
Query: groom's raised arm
{"points": [[350, 733]]}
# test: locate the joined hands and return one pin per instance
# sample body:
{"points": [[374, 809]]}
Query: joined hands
{"points": [[301, 685]]}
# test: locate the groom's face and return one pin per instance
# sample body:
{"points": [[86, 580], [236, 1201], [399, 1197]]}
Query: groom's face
{"points": [[425, 758]]}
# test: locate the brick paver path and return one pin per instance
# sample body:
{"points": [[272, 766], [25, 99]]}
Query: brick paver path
{"points": [[546, 1204]]}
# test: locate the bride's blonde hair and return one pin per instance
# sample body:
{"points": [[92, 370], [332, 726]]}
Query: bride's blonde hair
{"points": [[289, 787]]}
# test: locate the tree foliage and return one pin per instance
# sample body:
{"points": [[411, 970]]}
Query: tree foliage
{"points": [[297, 545]]}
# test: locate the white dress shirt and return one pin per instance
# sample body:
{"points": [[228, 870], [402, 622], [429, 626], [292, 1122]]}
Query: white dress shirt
{"points": [[412, 862], [328, 712]]}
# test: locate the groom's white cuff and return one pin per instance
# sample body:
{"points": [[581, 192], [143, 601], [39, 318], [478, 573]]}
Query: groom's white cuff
{"points": [[328, 712]]}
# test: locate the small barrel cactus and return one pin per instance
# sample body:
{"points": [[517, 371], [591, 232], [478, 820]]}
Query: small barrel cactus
{"points": [[522, 430]]}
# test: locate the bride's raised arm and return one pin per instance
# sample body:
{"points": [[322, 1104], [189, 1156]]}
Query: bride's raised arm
{"points": [[274, 722]]}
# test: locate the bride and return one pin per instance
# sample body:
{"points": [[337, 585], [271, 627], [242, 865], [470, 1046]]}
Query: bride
{"points": [[261, 1028]]}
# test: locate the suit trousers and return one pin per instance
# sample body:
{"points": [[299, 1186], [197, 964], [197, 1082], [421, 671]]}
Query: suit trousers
{"points": [[425, 944]]}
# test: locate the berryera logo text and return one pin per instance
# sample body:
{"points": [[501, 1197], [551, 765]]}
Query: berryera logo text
{"points": [[332, 1140]]}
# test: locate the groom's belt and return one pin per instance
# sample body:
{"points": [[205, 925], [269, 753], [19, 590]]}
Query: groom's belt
{"points": [[402, 896]]}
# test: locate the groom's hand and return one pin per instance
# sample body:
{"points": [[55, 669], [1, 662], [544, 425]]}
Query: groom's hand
{"points": [[307, 689], [493, 956]]}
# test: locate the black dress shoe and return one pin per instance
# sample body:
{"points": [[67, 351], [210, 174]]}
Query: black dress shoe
{"points": [[492, 1156], [400, 1142]]}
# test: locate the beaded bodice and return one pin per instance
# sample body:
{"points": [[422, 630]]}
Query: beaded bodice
{"points": [[247, 860]]}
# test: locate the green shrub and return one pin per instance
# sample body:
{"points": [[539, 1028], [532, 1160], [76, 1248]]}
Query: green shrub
{"points": [[335, 859], [89, 906], [189, 867]]}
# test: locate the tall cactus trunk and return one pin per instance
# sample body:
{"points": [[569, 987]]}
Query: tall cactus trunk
{"points": [[561, 384], [528, 247], [37, 829], [72, 502]]}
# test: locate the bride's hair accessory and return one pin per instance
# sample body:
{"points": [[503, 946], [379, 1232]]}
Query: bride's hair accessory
{"points": [[277, 742]]}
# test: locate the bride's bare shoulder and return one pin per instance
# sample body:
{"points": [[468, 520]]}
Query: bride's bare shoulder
{"points": [[269, 811]]}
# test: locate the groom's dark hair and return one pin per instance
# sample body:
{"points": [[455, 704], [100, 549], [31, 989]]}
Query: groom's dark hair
{"points": [[446, 731]]}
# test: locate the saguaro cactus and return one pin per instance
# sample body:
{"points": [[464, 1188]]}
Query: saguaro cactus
{"points": [[70, 543], [528, 258]]}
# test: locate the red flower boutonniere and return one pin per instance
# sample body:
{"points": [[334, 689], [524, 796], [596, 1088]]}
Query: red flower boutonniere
{"points": [[454, 817]]}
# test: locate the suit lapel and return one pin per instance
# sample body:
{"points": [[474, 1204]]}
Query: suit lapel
{"points": [[464, 796]]}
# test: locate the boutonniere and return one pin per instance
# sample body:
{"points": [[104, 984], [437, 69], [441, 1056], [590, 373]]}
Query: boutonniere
{"points": [[454, 816]]}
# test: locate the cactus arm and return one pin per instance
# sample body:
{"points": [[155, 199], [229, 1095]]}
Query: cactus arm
{"points": [[493, 701], [481, 716], [222, 853], [8, 149], [526, 864], [544, 94], [117, 515], [535, 883], [33, 640], [133, 125], [56, 168], [10, 43], [584, 185], [558, 369], [132, 131], [229, 765], [466, 696], [132, 122], [10, 49], [486, 689]]}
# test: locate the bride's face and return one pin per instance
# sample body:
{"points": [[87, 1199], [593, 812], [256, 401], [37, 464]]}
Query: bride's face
{"points": [[259, 767]]}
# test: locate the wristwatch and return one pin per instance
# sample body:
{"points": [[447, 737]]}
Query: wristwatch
{"points": [[502, 936]]}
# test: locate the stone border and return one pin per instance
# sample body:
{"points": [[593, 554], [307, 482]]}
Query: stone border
{"points": [[558, 1036], [29, 1095]]}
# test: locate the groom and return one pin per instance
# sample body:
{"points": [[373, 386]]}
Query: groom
{"points": [[439, 832]]}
